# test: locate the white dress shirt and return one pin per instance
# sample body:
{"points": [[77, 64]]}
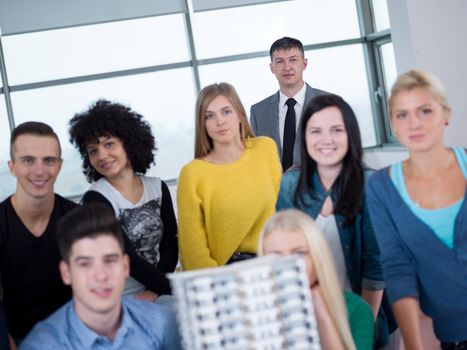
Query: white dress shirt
{"points": [[300, 98]]}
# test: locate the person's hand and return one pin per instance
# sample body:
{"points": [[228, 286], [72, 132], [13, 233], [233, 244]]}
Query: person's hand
{"points": [[147, 295]]}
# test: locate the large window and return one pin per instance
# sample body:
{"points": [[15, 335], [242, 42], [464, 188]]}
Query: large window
{"points": [[156, 64], [382, 62], [388, 64], [380, 14], [158, 96], [6, 180], [254, 28], [94, 49]]}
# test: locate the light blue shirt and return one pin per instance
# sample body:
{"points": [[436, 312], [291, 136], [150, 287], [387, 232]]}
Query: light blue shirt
{"points": [[441, 220], [144, 325]]}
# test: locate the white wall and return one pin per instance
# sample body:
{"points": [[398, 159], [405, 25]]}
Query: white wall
{"points": [[431, 35], [377, 159]]}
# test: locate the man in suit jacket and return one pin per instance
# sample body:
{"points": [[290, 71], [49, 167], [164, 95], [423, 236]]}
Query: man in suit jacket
{"points": [[267, 118]]}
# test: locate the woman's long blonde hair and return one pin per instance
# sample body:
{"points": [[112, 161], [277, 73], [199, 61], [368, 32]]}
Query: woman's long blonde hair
{"points": [[293, 220], [203, 143]]}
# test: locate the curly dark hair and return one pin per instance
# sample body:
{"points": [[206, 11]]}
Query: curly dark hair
{"points": [[105, 118]]}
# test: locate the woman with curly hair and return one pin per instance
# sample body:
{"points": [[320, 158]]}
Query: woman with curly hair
{"points": [[228, 191], [117, 148]]}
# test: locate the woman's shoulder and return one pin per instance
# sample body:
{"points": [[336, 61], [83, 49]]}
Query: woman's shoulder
{"points": [[262, 142], [360, 320], [356, 305], [461, 155], [292, 174], [367, 172], [375, 177], [153, 187], [192, 165], [91, 196], [151, 180], [193, 169], [100, 185], [103, 188]]}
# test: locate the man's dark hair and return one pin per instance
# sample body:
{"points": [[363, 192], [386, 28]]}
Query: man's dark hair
{"points": [[32, 128], [105, 118], [88, 221], [286, 43]]}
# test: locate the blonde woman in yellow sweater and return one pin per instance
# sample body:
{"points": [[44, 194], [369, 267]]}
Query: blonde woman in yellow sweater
{"points": [[229, 190]]}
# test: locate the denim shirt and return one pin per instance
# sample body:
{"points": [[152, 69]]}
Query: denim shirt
{"points": [[144, 326], [361, 253]]}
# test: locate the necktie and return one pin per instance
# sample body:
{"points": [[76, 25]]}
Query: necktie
{"points": [[289, 135]]}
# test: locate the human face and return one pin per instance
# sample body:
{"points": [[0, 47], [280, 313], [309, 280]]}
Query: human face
{"points": [[286, 243], [36, 163], [326, 138], [96, 270], [222, 122], [418, 119], [288, 67], [108, 157]]}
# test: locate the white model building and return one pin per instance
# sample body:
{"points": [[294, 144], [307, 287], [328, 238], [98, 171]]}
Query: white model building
{"points": [[261, 304]]}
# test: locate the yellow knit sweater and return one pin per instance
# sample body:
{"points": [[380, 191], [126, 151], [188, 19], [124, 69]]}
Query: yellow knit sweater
{"points": [[222, 207]]}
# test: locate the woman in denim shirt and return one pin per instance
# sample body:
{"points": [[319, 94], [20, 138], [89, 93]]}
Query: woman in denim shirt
{"points": [[329, 187]]}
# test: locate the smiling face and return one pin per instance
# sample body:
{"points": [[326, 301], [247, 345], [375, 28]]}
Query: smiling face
{"points": [[108, 157], [418, 119], [326, 138], [288, 66], [222, 122], [36, 164], [286, 243], [96, 270]]}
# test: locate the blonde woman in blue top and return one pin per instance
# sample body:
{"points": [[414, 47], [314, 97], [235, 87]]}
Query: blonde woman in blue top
{"points": [[420, 216]]}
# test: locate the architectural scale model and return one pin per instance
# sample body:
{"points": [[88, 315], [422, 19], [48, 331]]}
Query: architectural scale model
{"points": [[261, 304]]}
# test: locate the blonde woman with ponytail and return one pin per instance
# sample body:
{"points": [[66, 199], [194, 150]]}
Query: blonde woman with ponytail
{"points": [[345, 321]]}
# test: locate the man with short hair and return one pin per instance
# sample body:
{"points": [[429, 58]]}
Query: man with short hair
{"points": [[29, 257], [95, 265], [278, 116]]}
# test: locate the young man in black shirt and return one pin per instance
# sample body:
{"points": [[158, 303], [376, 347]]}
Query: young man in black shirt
{"points": [[29, 257]]}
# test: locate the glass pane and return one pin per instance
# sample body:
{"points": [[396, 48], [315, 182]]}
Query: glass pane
{"points": [[241, 74], [389, 66], [255, 28], [326, 69], [95, 49], [341, 70], [24, 16], [203, 5], [380, 14], [7, 182], [166, 99]]}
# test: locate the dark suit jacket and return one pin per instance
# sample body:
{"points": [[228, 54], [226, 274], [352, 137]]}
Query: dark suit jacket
{"points": [[264, 119]]}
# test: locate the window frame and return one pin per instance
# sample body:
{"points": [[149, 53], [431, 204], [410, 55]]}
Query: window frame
{"points": [[369, 38]]}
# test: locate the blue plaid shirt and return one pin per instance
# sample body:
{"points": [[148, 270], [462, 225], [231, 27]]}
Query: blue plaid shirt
{"points": [[144, 325]]}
